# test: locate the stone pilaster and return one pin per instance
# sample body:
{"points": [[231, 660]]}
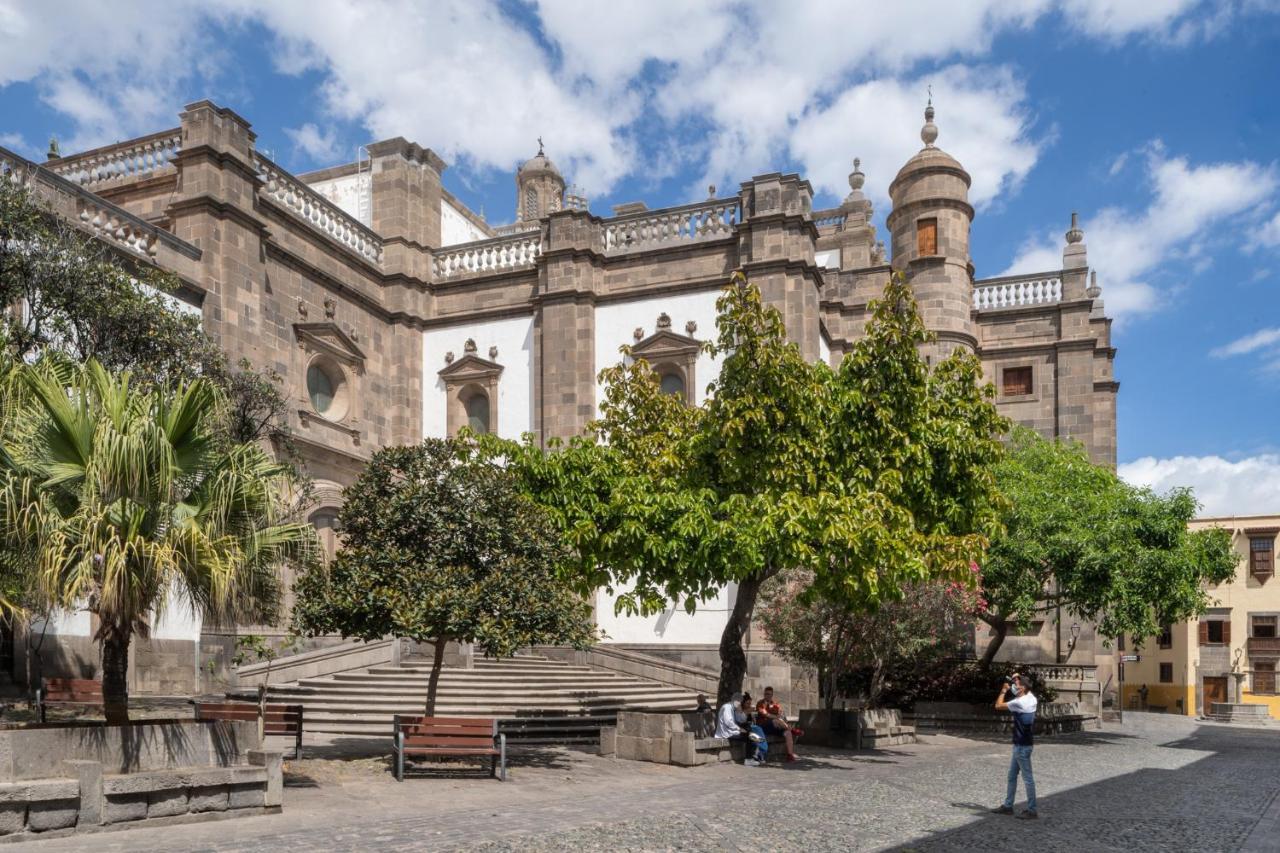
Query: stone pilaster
{"points": [[569, 276], [407, 193], [776, 247]]}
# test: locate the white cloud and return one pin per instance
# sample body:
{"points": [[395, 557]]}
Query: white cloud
{"points": [[14, 142], [1249, 343], [1250, 486], [1267, 235], [736, 81], [983, 124], [322, 146], [1131, 248]]}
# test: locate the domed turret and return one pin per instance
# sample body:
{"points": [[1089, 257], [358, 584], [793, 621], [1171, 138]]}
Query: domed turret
{"points": [[929, 227], [539, 188]]}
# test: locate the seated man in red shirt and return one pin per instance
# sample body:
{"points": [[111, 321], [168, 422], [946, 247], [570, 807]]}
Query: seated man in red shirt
{"points": [[769, 717]]}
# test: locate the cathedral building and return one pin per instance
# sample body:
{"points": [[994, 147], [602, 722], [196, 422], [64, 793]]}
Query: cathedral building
{"points": [[395, 312]]}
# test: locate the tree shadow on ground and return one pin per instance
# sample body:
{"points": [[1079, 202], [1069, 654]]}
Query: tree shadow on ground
{"points": [[1211, 803]]}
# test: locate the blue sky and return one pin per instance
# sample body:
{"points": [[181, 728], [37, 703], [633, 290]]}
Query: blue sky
{"points": [[1157, 120]]}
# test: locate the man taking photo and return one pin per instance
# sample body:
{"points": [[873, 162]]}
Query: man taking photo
{"points": [[1022, 706]]}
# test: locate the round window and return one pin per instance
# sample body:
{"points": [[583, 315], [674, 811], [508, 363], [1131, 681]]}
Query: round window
{"points": [[321, 388], [478, 413], [673, 383]]}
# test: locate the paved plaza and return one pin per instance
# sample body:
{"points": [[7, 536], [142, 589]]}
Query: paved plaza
{"points": [[1154, 783]]}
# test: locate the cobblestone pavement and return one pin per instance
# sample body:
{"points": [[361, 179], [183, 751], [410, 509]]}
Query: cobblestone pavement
{"points": [[1155, 783]]}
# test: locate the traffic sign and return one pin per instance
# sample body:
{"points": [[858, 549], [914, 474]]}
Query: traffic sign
{"points": [[1130, 658]]}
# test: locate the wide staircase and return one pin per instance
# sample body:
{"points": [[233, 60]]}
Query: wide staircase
{"points": [[538, 699]]}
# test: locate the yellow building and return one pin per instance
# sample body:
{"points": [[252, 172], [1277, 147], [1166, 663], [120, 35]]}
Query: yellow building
{"points": [[1233, 648]]}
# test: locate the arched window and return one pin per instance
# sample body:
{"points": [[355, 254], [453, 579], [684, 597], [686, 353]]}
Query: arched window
{"points": [[320, 387], [673, 383], [478, 412], [325, 521]]}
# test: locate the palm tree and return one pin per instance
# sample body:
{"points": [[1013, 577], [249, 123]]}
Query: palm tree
{"points": [[127, 501]]}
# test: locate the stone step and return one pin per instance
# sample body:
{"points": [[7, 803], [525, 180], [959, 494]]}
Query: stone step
{"points": [[470, 675], [364, 686]]}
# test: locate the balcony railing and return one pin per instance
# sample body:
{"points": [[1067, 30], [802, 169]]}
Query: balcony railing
{"points": [[832, 217], [492, 255], [1015, 292], [1267, 646], [106, 221], [137, 158], [688, 223], [317, 211]]}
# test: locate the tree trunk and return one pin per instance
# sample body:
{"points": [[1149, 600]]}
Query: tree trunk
{"points": [[733, 659], [115, 676], [1001, 627], [437, 664]]}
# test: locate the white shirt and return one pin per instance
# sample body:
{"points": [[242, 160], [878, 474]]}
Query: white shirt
{"points": [[727, 721], [1024, 704]]}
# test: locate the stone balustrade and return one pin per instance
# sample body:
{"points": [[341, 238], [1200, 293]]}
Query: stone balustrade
{"points": [[831, 218], [654, 228], [1015, 292], [148, 155], [318, 212], [104, 220], [492, 255]]}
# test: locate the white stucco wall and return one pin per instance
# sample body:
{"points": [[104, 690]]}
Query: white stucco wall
{"points": [[177, 622], [827, 259], [456, 228], [824, 348], [616, 324], [345, 193], [673, 625], [68, 623], [514, 339]]}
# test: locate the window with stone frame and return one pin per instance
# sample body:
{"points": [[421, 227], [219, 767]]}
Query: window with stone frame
{"points": [[1262, 555], [1264, 677], [1016, 381], [671, 355], [471, 390], [1165, 638], [926, 237], [1215, 632], [1166, 673], [1262, 625]]}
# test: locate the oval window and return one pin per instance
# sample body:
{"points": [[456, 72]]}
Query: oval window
{"points": [[478, 413], [320, 387], [673, 383]]}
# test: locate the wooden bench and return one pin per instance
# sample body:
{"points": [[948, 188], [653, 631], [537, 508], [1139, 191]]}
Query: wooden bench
{"points": [[285, 720], [68, 691], [450, 737]]}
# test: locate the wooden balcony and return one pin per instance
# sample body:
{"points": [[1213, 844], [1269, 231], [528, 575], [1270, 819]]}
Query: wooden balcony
{"points": [[1264, 647]]}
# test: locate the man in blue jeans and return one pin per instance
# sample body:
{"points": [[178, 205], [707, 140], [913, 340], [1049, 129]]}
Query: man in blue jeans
{"points": [[1023, 708]]}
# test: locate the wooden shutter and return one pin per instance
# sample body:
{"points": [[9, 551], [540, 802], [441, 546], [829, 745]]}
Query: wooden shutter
{"points": [[1204, 633], [927, 237], [1264, 678], [1016, 381], [1261, 557], [1226, 631]]}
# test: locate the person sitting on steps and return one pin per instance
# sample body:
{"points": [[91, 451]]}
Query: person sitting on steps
{"points": [[770, 717], [732, 724]]}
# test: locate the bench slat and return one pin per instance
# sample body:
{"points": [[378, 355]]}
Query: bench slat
{"points": [[447, 721], [277, 717], [433, 750], [447, 740]]}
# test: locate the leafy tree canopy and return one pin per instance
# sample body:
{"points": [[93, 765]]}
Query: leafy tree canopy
{"points": [[1077, 537], [440, 545], [868, 477]]}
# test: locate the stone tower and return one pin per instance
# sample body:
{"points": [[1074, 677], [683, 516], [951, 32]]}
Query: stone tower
{"points": [[539, 188], [929, 227]]}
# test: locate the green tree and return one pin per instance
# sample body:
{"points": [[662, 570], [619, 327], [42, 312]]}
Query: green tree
{"points": [[78, 297], [868, 478], [126, 501], [1078, 539], [440, 545], [931, 622]]}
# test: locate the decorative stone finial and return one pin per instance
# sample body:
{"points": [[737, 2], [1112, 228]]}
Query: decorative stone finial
{"points": [[470, 345], [711, 191], [1075, 235], [448, 357], [540, 145], [664, 320], [302, 309], [929, 133], [690, 327], [877, 255], [856, 178], [53, 149], [493, 351], [1093, 291], [638, 334], [330, 308]]}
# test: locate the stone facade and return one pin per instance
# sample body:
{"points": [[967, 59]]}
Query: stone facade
{"points": [[368, 313]]}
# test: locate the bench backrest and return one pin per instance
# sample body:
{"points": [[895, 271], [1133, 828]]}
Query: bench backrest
{"points": [[83, 690], [447, 731], [276, 720]]}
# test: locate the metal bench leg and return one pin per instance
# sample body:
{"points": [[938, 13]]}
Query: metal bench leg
{"points": [[502, 749], [399, 756]]}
